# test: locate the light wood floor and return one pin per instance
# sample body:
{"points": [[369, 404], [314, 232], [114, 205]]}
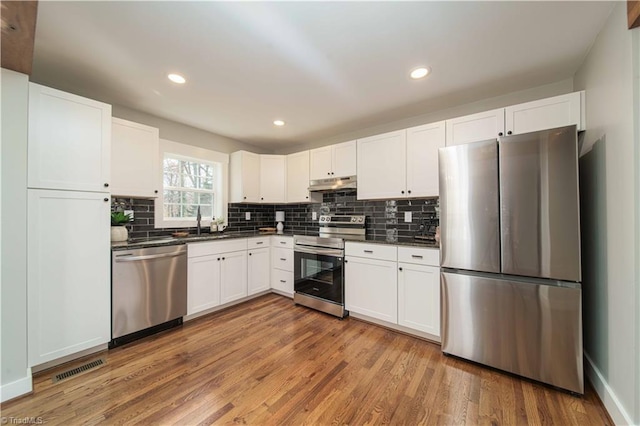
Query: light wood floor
{"points": [[270, 362]]}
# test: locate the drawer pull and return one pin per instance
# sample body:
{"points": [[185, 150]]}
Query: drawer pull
{"points": [[415, 256], [368, 251], [259, 242], [282, 258], [283, 242], [282, 281]]}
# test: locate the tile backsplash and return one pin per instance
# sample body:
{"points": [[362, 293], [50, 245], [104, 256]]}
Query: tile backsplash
{"points": [[385, 218]]}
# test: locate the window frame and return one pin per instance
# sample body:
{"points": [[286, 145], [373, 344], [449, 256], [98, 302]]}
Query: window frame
{"points": [[192, 153]]}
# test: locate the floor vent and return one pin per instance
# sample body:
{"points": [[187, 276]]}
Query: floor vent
{"points": [[75, 371]]}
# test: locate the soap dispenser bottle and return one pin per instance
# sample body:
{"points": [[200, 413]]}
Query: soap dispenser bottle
{"points": [[214, 225]]}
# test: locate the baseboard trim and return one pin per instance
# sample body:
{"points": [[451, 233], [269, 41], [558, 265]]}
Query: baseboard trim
{"points": [[18, 388], [607, 395]]}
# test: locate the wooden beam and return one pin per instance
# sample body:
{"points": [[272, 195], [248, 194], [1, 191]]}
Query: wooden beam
{"points": [[18, 34], [633, 13]]}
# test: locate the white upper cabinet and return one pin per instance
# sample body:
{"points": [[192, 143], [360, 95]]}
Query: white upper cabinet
{"points": [[135, 159], [333, 161], [423, 143], [475, 127], [273, 178], [244, 173], [298, 179], [381, 166], [69, 141], [559, 111]]}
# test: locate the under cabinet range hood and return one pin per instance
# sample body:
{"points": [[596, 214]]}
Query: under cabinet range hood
{"points": [[333, 184]]}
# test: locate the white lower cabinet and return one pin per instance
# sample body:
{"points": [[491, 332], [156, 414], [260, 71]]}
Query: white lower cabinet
{"points": [[419, 297], [282, 265], [259, 267], [282, 281], [69, 285], [203, 283], [233, 276], [371, 288]]}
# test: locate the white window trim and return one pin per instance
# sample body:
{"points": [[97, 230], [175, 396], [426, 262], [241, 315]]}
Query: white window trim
{"points": [[196, 153]]}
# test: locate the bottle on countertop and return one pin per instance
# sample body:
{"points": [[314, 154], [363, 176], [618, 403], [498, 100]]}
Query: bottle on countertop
{"points": [[214, 225]]}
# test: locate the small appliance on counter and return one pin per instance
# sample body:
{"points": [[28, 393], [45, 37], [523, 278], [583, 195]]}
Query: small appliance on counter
{"points": [[319, 263]]}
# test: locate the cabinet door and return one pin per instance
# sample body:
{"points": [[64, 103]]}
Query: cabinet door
{"points": [[233, 276], [371, 288], [69, 141], [475, 128], [282, 281], [320, 160], [381, 166], [258, 271], [135, 159], [549, 113], [423, 143], [298, 179], [419, 297], [203, 283], [273, 178], [344, 159], [244, 177], [69, 282]]}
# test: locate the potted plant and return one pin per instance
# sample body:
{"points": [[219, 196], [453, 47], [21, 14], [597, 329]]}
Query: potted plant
{"points": [[118, 230]]}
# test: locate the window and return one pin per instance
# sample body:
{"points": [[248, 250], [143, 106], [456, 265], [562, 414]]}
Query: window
{"points": [[187, 184], [192, 177]]}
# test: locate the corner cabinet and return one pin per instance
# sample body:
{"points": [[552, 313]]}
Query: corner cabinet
{"points": [[69, 285], [337, 160], [135, 159], [69, 141], [273, 186], [244, 177], [298, 179], [549, 113]]}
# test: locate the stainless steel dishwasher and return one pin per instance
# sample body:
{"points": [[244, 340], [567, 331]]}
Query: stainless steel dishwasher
{"points": [[148, 291]]}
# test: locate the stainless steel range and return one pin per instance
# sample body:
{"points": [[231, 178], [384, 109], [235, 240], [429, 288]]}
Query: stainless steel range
{"points": [[319, 263]]}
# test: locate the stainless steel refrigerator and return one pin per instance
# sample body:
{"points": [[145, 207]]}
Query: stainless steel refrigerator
{"points": [[510, 255]]}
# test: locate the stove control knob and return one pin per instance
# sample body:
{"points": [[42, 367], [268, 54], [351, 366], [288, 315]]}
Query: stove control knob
{"points": [[361, 219], [353, 219]]}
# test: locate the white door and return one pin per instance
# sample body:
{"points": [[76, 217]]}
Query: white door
{"points": [[419, 297], [69, 141], [344, 159], [475, 127], [298, 178], [381, 166], [258, 271], [69, 278], [558, 111], [251, 177], [233, 276], [320, 163], [423, 143], [203, 283], [273, 175], [371, 288], [135, 159]]}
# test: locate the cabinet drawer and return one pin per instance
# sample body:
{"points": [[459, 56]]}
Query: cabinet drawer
{"points": [[282, 242], [282, 258], [419, 256], [259, 242], [216, 247], [372, 251], [282, 281]]}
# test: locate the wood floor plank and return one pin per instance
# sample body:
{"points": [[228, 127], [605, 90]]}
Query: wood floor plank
{"points": [[268, 361]]}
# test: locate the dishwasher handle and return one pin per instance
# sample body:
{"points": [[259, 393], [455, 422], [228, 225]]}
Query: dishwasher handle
{"points": [[124, 257]]}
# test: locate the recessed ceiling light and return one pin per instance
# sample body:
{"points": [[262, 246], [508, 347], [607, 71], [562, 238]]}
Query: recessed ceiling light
{"points": [[278, 123], [177, 78], [420, 72]]}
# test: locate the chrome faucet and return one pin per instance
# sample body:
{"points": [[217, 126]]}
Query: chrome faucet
{"points": [[198, 219]]}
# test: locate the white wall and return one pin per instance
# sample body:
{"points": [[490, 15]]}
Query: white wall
{"points": [[609, 218], [182, 133], [455, 110], [15, 376]]}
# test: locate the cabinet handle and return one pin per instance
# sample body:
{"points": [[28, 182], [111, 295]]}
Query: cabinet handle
{"points": [[328, 173], [346, 261], [261, 198], [218, 259], [223, 258], [244, 198], [259, 242], [331, 173], [282, 281], [402, 192], [509, 132], [155, 192], [307, 197], [282, 258], [409, 191], [500, 134], [416, 256], [400, 269], [106, 185], [283, 242], [368, 251], [250, 254], [106, 199]]}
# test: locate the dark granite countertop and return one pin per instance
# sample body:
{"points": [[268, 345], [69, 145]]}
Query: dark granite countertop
{"points": [[169, 240]]}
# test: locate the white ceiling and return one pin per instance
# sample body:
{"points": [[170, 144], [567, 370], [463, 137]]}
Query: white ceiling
{"points": [[323, 67]]}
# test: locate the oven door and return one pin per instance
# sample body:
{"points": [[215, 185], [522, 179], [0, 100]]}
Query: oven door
{"points": [[319, 273]]}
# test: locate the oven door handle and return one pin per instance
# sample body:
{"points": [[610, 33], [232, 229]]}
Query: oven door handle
{"points": [[320, 251]]}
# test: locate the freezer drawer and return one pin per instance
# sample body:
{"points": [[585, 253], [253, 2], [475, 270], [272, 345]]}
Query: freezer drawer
{"points": [[525, 328]]}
